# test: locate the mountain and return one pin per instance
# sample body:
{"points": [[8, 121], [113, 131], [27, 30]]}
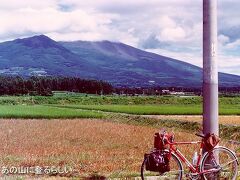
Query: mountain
{"points": [[40, 55], [117, 63]]}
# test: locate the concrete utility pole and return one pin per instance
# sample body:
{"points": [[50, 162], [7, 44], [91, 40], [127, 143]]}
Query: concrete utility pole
{"points": [[210, 69]]}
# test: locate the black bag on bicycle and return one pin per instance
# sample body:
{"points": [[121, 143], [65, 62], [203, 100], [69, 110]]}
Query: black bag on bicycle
{"points": [[157, 161]]}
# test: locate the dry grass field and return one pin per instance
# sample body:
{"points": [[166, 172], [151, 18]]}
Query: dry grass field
{"points": [[232, 120], [90, 147]]}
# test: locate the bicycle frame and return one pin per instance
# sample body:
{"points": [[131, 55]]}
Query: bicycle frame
{"points": [[208, 164], [178, 153]]}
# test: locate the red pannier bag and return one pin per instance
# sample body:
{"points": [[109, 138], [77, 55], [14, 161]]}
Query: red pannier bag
{"points": [[159, 143]]}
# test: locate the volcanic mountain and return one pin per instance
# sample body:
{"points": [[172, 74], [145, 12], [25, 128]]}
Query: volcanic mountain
{"points": [[117, 63]]}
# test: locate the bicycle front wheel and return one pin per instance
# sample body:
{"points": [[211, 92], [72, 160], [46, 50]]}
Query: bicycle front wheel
{"points": [[220, 163], [176, 171]]}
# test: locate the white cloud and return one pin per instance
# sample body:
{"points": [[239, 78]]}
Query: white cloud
{"points": [[229, 64], [7, 5], [172, 34], [188, 57], [50, 20], [114, 35], [172, 27], [222, 39], [226, 63], [233, 45], [161, 21]]}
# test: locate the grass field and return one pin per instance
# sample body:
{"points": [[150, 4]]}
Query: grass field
{"points": [[39, 111], [157, 109], [90, 147], [83, 99], [141, 105], [226, 119], [75, 106]]}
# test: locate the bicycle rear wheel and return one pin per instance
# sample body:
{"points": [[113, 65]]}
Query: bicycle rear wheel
{"points": [[220, 163], [176, 170]]}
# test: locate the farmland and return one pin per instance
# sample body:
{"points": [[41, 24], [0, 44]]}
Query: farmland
{"points": [[226, 119], [157, 109], [38, 111], [92, 148], [85, 99], [154, 111], [151, 111], [100, 135], [74, 105]]}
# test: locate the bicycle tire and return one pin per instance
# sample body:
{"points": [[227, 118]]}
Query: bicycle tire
{"points": [[223, 160], [174, 161]]}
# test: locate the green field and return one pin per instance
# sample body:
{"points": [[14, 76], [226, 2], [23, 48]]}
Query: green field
{"points": [[73, 105], [141, 109], [156, 109], [39, 111], [84, 99]]}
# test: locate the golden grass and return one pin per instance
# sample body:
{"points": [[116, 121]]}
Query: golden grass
{"points": [[232, 120], [88, 146]]}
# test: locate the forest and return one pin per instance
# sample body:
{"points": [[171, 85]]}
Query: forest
{"points": [[45, 85]]}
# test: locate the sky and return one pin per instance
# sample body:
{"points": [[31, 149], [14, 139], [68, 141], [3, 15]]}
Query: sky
{"points": [[171, 28]]}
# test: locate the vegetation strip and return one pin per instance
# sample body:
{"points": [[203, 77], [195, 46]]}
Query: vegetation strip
{"points": [[70, 98], [226, 131], [49, 112]]}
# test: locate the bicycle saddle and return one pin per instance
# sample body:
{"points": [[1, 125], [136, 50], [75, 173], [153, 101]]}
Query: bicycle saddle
{"points": [[200, 134]]}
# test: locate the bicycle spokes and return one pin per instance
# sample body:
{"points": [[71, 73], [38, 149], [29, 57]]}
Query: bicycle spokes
{"points": [[220, 164]]}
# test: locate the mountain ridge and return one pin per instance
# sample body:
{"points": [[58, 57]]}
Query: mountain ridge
{"points": [[114, 62]]}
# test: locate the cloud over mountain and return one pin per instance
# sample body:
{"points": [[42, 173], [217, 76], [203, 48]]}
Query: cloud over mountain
{"points": [[170, 26]]}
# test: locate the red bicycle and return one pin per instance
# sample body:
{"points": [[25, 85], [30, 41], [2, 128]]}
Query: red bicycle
{"points": [[217, 163]]}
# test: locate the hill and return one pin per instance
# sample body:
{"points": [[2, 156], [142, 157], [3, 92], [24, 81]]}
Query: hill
{"points": [[40, 55], [117, 63]]}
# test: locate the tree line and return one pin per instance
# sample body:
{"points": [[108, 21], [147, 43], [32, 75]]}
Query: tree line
{"points": [[158, 91], [45, 85]]}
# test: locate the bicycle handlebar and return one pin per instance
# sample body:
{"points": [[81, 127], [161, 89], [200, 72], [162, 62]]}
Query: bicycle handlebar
{"points": [[167, 139]]}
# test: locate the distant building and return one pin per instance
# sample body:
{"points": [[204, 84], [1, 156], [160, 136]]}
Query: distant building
{"points": [[152, 82], [165, 91], [177, 93]]}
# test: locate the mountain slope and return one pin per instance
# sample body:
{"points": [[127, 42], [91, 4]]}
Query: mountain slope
{"points": [[133, 66], [117, 63], [39, 55]]}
